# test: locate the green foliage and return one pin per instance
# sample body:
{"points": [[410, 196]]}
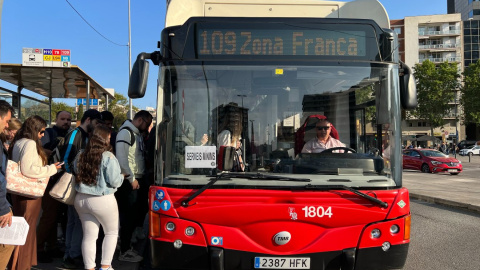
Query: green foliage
{"points": [[32, 107], [363, 96], [435, 89], [80, 112], [61, 106], [470, 99], [119, 108]]}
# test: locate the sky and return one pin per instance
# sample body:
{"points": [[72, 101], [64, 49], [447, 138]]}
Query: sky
{"points": [[54, 24]]}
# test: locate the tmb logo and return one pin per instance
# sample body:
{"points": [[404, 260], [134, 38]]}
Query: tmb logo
{"points": [[282, 238]]}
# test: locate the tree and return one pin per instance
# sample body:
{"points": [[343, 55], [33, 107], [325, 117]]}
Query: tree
{"points": [[435, 89], [60, 106], [470, 99], [80, 112], [119, 108]]}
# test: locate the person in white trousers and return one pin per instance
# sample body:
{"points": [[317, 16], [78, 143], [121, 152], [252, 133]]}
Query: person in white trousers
{"points": [[98, 176]]}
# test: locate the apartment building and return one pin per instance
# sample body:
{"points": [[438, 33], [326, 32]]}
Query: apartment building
{"points": [[438, 38]]}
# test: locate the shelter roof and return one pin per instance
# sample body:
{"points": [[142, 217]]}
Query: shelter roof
{"points": [[54, 82]]}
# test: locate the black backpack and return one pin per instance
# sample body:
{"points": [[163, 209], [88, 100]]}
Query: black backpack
{"points": [[53, 137], [132, 136]]}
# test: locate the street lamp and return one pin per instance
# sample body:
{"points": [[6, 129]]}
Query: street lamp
{"points": [[456, 126]]}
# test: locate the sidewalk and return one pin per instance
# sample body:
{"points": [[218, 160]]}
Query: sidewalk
{"points": [[461, 191], [116, 264]]}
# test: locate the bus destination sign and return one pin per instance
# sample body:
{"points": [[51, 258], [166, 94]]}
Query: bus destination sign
{"points": [[264, 42]]}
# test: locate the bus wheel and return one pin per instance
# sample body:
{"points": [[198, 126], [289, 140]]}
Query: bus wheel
{"points": [[425, 168]]}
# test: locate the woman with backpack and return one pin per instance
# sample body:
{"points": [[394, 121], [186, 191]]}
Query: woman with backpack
{"points": [[98, 177]]}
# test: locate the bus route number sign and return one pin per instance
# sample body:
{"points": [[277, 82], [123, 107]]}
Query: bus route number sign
{"points": [[263, 42]]}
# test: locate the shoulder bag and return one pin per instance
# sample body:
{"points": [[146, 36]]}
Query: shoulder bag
{"points": [[64, 190], [19, 184]]}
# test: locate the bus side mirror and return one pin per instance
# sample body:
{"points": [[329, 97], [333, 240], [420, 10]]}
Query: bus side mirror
{"points": [[138, 78], [408, 88]]}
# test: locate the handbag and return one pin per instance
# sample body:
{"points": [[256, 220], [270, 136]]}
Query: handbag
{"points": [[64, 190], [19, 184]]}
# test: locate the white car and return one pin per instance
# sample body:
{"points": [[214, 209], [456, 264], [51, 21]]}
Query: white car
{"points": [[470, 151]]}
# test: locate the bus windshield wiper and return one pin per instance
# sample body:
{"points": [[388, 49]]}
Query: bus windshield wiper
{"points": [[363, 195], [259, 176], [186, 202], [228, 176]]}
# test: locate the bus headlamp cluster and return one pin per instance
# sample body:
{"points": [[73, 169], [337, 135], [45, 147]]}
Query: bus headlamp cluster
{"points": [[170, 226], [376, 233]]}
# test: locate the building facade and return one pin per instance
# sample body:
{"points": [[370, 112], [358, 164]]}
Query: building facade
{"points": [[437, 38], [469, 9]]}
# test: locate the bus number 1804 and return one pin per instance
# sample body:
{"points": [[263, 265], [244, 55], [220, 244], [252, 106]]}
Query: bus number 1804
{"points": [[320, 211]]}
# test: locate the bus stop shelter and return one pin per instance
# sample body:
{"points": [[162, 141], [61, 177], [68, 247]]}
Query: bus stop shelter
{"points": [[50, 82]]}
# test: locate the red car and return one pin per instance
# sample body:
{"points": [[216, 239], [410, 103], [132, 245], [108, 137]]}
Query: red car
{"points": [[429, 160]]}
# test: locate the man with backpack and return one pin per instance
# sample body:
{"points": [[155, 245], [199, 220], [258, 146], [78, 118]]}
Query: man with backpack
{"points": [[132, 196], [53, 135], [47, 247]]}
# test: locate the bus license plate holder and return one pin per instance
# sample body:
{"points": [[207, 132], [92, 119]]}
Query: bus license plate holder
{"points": [[282, 263]]}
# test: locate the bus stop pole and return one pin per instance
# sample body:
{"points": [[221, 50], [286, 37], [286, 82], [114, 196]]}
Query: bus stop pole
{"points": [[130, 103], [88, 94], [106, 103], [19, 107], [50, 109]]}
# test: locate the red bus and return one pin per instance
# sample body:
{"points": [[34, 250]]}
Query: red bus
{"points": [[248, 174]]}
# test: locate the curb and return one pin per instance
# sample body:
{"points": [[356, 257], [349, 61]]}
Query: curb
{"points": [[455, 204]]}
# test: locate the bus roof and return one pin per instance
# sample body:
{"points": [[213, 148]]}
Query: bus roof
{"points": [[179, 11]]}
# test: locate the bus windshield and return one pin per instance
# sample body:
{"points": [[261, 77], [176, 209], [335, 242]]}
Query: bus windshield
{"points": [[329, 123]]}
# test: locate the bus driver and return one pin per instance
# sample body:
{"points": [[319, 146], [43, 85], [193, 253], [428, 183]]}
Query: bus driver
{"points": [[323, 140]]}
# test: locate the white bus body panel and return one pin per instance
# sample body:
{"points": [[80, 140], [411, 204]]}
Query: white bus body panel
{"points": [[179, 11]]}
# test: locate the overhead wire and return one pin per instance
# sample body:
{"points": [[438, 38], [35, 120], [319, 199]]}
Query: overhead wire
{"points": [[126, 45]]}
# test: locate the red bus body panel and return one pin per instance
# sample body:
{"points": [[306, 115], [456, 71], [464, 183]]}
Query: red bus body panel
{"points": [[247, 220]]}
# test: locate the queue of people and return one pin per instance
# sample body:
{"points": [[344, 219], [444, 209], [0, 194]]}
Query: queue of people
{"points": [[112, 188]]}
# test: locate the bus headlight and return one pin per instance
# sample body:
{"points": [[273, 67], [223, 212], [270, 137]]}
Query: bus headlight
{"points": [[375, 233], [170, 226], [177, 244], [394, 229], [386, 246], [189, 231]]}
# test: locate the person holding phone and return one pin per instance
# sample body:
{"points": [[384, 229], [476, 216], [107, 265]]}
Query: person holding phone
{"points": [[27, 150], [98, 177]]}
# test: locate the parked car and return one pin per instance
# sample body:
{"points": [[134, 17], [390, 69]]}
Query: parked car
{"points": [[429, 160], [470, 151], [466, 143]]}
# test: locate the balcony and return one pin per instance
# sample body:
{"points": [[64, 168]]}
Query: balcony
{"points": [[440, 33], [439, 47], [441, 60]]}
